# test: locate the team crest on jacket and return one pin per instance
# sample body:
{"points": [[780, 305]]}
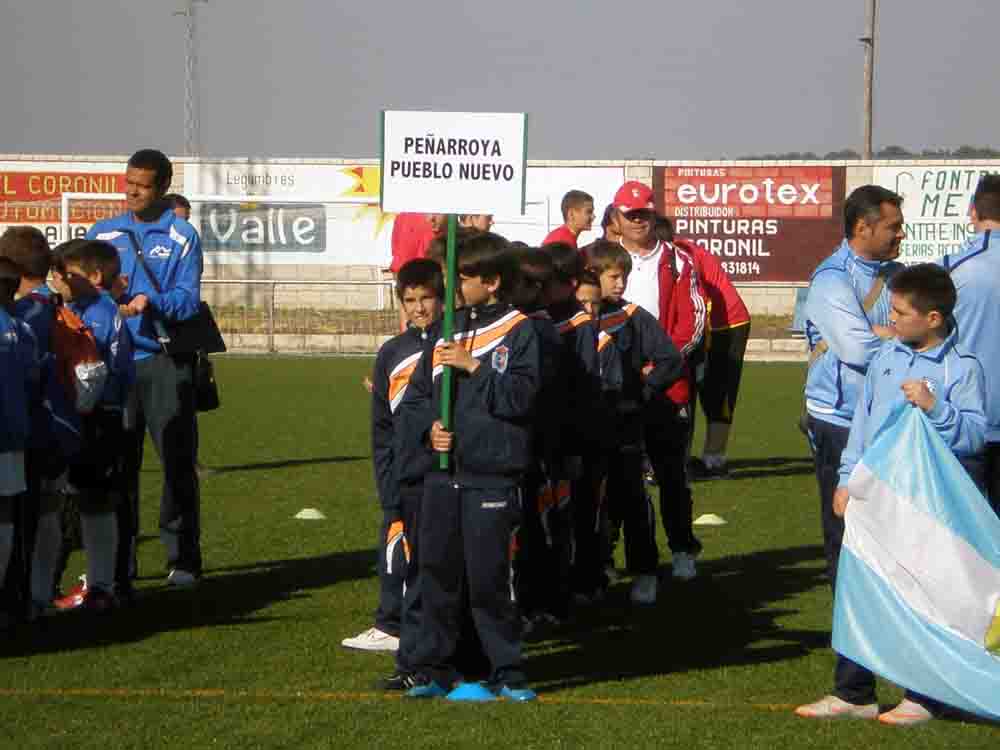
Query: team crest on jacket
{"points": [[501, 355], [159, 252]]}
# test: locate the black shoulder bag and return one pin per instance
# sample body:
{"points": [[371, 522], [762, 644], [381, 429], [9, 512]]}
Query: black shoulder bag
{"points": [[199, 333]]}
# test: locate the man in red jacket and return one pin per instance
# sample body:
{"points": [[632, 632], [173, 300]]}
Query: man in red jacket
{"points": [[665, 282]]}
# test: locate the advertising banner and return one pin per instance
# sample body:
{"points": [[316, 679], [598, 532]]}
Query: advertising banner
{"points": [[766, 224], [324, 213], [936, 201], [30, 194], [291, 231]]}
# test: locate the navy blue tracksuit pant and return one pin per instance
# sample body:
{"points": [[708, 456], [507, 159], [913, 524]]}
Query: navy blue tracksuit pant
{"points": [[852, 682], [465, 537], [628, 500], [392, 565], [409, 588]]}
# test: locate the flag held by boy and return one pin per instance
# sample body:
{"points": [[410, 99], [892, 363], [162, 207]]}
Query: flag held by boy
{"points": [[918, 599]]}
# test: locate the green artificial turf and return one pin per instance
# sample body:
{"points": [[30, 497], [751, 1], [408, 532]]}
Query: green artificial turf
{"points": [[252, 658]]}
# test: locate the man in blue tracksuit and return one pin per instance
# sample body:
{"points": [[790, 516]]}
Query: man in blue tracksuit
{"points": [[847, 319], [975, 270], [164, 389]]}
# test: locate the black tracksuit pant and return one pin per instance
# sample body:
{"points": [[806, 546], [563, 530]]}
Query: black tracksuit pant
{"points": [[667, 434], [628, 500], [465, 539], [544, 547]]}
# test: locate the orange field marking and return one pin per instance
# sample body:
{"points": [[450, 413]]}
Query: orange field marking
{"points": [[324, 696]]}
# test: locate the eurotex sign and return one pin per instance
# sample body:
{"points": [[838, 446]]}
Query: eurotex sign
{"points": [[765, 224]]}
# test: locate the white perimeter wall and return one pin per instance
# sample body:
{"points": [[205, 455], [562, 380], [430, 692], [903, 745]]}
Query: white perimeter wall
{"points": [[935, 194]]}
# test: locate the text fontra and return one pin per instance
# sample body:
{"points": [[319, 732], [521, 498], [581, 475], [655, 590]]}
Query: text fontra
{"points": [[433, 146]]}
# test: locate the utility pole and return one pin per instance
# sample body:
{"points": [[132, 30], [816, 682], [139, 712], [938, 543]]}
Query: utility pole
{"points": [[868, 40], [192, 110]]}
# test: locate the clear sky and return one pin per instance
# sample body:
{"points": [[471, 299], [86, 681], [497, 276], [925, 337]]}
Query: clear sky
{"points": [[600, 80]]}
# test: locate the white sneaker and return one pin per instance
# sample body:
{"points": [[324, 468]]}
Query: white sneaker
{"points": [[832, 707], [907, 714], [372, 639], [684, 567], [644, 590]]}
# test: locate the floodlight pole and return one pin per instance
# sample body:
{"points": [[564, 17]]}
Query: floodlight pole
{"points": [[868, 40], [192, 114]]}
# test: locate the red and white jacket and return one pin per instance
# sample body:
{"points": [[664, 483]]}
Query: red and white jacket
{"points": [[683, 314]]}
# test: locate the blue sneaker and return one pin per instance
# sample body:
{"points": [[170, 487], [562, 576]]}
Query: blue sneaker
{"points": [[473, 692], [518, 694], [425, 688]]}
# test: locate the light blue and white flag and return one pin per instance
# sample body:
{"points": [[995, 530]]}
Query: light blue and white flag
{"points": [[918, 585]]}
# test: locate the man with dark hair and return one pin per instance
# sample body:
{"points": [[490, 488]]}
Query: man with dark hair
{"points": [[180, 204], [847, 318], [975, 270], [578, 216], [156, 162], [476, 222], [161, 259]]}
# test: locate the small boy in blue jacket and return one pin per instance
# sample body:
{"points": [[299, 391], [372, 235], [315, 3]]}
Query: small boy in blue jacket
{"points": [[18, 371], [87, 273], [924, 366]]}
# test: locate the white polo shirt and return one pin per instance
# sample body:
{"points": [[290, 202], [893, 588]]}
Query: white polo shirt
{"points": [[643, 286]]}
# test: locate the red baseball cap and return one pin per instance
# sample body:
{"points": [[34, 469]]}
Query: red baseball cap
{"points": [[634, 196]]}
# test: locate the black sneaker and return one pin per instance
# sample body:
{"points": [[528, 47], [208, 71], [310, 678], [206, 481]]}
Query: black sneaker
{"points": [[397, 681], [700, 472]]}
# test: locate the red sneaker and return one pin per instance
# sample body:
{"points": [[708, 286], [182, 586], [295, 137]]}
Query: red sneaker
{"points": [[73, 599]]}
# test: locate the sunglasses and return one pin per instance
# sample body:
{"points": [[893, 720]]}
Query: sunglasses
{"points": [[639, 216]]}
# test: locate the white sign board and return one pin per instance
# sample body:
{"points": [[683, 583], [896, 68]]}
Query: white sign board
{"points": [[327, 214], [453, 162], [936, 201]]}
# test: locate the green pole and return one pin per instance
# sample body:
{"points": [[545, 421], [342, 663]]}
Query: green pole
{"points": [[448, 330]]}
